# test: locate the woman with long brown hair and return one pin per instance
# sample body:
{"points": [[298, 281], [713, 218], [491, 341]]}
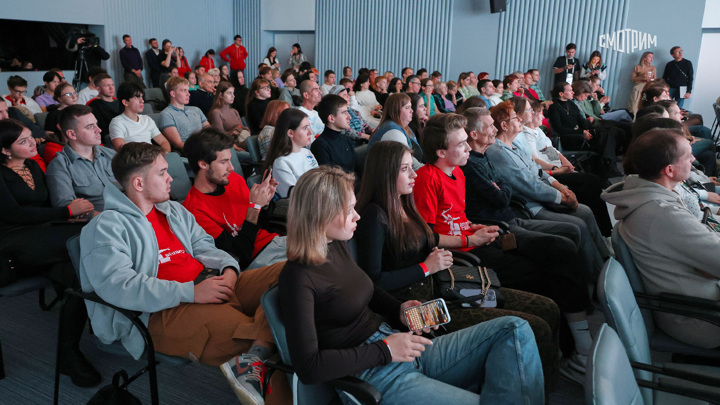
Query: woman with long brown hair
{"points": [[225, 118], [257, 101], [288, 155]]}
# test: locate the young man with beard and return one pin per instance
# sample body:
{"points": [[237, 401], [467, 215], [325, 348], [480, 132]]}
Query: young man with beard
{"points": [[224, 206]]}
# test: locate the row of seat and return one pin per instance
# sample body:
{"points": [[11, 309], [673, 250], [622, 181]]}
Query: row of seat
{"points": [[620, 370]]}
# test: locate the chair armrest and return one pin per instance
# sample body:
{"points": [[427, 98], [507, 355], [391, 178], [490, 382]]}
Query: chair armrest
{"points": [[462, 262], [504, 226], [277, 365], [670, 370], [658, 303], [468, 257], [362, 391], [133, 316], [92, 296], [665, 386], [703, 303], [519, 206]]}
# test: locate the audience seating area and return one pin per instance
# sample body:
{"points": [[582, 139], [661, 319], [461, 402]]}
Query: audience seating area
{"points": [[632, 360]]}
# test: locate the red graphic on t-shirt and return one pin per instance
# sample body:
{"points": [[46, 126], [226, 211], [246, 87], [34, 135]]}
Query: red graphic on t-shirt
{"points": [[174, 263], [440, 199]]}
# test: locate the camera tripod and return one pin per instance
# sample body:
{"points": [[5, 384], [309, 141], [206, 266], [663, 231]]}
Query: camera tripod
{"points": [[81, 67]]}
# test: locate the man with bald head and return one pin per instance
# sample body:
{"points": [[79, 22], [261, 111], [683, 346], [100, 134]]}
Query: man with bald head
{"points": [[311, 96], [202, 98]]}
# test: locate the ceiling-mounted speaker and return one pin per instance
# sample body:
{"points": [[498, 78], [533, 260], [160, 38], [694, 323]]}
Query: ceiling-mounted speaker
{"points": [[498, 6]]}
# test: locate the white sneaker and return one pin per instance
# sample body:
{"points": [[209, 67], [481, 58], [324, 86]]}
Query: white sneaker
{"points": [[246, 374]]}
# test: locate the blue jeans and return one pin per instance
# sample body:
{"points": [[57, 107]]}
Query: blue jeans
{"points": [[675, 95], [617, 115], [500, 355]]}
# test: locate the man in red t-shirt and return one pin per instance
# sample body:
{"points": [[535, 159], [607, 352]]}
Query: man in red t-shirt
{"points": [[440, 198], [235, 54], [223, 205], [440, 186]]}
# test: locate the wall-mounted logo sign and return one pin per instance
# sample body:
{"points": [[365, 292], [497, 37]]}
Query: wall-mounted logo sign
{"points": [[627, 41]]}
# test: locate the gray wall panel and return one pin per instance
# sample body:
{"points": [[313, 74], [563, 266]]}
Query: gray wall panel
{"points": [[533, 33], [383, 35]]}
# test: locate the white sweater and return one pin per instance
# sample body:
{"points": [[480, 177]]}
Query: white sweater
{"points": [[288, 169]]}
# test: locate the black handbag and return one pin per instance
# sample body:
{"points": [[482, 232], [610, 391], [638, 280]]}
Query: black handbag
{"points": [[449, 284], [115, 393]]}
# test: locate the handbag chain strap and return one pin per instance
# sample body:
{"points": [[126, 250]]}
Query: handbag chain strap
{"points": [[484, 279]]}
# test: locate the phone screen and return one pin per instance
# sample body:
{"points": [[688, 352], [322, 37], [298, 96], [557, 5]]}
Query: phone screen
{"points": [[427, 315]]}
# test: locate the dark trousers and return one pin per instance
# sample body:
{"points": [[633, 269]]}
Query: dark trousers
{"points": [[587, 188], [155, 78], [40, 250]]}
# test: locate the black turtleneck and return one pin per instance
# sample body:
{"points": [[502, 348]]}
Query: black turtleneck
{"points": [[566, 117], [332, 148]]}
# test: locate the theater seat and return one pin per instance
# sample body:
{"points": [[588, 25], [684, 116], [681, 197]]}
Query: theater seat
{"points": [[609, 378], [152, 358], [315, 394], [659, 340], [181, 184]]}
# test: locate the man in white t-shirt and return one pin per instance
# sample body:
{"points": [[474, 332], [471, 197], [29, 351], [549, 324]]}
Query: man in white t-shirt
{"points": [[90, 92], [131, 126], [329, 82], [311, 96]]}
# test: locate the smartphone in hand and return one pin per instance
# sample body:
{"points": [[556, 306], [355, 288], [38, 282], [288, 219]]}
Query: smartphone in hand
{"points": [[427, 315]]}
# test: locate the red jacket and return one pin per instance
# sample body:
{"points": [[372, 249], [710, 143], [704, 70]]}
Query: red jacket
{"points": [[184, 67], [235, 55], [208, 63]]}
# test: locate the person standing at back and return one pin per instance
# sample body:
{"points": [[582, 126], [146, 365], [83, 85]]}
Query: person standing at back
{"points": [[151, 58], [567, 68], [679, 76], [235, 54], [131, 62]]}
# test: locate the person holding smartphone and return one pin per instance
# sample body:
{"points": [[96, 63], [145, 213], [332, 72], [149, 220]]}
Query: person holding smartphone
{"points": [[224, 206], [566, 68], [330, 309]]}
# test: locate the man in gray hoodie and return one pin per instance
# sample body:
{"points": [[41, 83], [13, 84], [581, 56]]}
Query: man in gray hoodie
{"points": [[672, 250], [148, 254]]}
